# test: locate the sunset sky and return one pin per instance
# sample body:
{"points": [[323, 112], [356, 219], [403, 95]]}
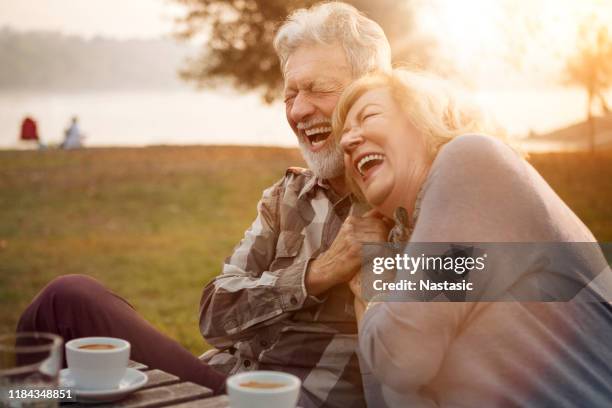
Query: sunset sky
{"points": [[112, 18], [495, 32], [479, 36]]}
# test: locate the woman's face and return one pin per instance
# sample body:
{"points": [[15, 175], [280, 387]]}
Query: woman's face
{"points": [[383, 152]]}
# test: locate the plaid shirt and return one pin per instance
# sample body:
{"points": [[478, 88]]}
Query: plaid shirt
{"points": [[257, 312]]}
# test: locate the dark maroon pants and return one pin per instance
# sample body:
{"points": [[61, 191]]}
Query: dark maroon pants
{"points": [[79, 306]]}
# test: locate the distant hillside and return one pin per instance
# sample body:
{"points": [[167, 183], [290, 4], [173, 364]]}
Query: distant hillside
{"points": [[39, 60], [576, 135]]}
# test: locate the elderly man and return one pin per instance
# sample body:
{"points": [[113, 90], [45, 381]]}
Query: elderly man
{"points": [[282, 301]]}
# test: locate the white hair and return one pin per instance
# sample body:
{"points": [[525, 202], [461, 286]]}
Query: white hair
{"points": [[364, 42]]}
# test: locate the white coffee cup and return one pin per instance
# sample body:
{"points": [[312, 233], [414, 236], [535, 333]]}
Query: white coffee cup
{"points": [[281, 390], [97, 368]]}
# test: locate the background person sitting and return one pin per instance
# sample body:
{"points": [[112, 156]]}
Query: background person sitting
{"points": [[73, 137], [29, 132]]}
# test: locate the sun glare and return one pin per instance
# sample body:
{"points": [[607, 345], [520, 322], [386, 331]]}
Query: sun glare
{"points": [[466, 26], [483, 38]]}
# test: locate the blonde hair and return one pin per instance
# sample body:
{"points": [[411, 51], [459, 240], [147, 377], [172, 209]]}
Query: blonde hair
{"points": [[364, 42], [433, 106], [438, 111]]}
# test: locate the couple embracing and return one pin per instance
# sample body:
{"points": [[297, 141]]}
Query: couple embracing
{"points": [[289, 297]]}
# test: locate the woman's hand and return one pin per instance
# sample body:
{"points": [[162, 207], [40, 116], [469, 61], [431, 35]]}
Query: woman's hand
{"points": [[343, 259]]}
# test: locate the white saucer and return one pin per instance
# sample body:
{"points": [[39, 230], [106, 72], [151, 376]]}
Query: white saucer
{"points": [[131, 381]]}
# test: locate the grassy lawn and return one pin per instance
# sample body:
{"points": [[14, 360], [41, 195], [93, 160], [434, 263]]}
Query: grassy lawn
{"points": [[155, 224]]}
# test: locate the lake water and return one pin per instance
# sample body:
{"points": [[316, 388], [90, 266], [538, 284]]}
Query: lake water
{"points": [[224, 117], [147, 118]]}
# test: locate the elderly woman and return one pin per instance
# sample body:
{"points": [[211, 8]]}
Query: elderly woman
{"points": [[408, 145]]}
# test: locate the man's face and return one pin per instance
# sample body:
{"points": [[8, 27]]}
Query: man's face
{"points": [[315, 76]]}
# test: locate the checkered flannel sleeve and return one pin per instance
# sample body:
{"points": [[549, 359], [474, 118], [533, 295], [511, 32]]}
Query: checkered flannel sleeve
{"points": [[248, 294]]}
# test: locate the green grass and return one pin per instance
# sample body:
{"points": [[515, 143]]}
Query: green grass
{"points": [[584, 182], [155, 224]]}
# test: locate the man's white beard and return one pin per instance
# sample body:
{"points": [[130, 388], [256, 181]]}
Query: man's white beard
{"points": [[327, 163]]}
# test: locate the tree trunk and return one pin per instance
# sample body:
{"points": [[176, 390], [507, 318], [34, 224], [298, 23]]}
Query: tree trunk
{"points": [[604, 104]]}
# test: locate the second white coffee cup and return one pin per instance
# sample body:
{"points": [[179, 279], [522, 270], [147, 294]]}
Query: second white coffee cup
{"points": [[263, 389], [97, 363]]}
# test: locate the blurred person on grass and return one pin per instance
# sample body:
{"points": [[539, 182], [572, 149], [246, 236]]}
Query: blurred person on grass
{"points": [[73, 138]]}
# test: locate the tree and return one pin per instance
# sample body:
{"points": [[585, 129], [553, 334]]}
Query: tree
{"points": [[591, 68], [238, 38]]}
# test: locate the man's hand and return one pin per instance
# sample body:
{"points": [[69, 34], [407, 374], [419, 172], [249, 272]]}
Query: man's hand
{"points": [[359, 302], [343, 259]]}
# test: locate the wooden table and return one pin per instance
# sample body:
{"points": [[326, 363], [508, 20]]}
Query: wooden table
{"points": [[164, 390]]}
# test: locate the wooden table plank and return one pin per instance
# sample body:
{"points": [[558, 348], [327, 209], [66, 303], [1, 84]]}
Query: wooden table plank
{"points": [[161, 396], [222, 401], [163, 389], [158, 378]]}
